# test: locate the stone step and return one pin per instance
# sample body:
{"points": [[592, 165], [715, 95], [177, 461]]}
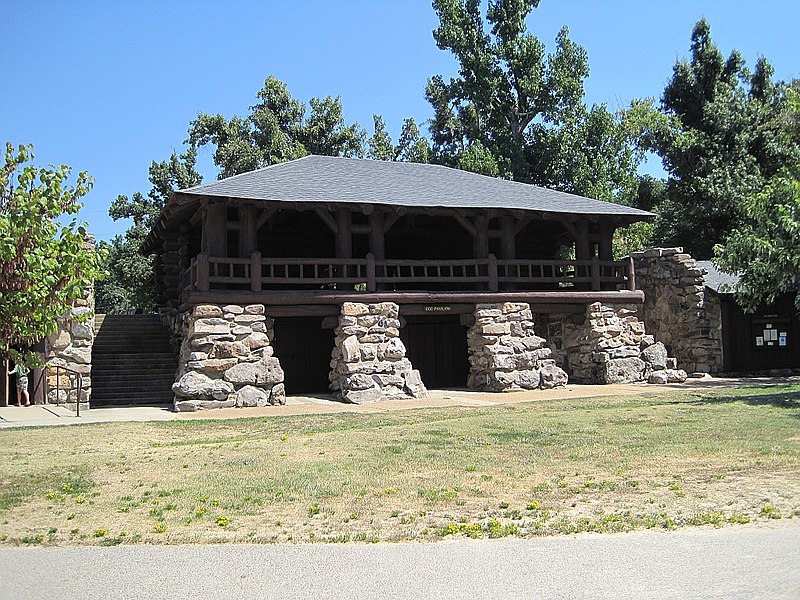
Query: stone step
{"points": [[145, 368], [133, 362], [133, 398], [121, 403], [167, 357], [110, 383], [133, 401], [104, 327], [131, 349], [137, 392], [140, 333]]}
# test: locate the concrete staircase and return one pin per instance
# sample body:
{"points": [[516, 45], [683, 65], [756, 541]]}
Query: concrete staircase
{"points": [[132, 361]]}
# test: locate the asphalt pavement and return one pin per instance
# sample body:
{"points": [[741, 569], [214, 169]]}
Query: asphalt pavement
{"points": [[753, 561]]}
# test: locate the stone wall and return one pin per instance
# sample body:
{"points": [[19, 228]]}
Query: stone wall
{"points": [[678, 310], [226, 358], [609, 345], [504, 352], [71, 347], [368, 361]]}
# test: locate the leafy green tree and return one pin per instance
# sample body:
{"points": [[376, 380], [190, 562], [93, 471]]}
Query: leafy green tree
{"points": [[45, 265], [517, 111], [130, 282], [765, 249], [380, 145], [411, 147], [725, 138], [276, 130]]}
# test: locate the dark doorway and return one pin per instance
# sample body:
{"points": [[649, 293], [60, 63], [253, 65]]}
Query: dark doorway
{"points": [[303, 348], [436, 345]]}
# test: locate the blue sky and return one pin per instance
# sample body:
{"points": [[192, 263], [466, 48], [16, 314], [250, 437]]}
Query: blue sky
{"points": [[107, 87]]}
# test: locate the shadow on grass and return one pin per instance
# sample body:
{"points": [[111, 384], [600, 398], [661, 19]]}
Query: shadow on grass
{"points": [[733, 383], [788, 400]]}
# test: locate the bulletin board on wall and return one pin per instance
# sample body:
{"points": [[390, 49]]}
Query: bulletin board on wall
{"points": [[771, 333]]}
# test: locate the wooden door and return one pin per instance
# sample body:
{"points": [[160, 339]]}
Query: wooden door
{"points": [[437, 347]]}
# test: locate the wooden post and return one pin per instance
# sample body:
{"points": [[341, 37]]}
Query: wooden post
{"points": [[255, 271], [344, 237], [508, 239], [508, 243], [371, 287], [215, 231], [37, 379], [493, 286], [5, 379], [583, 250], [377, 240], [248, 241], [631, 274], [202, 273], [595, 273], [481, 244], [606, 241]]}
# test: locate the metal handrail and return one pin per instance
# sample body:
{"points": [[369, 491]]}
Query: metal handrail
{"points": [[59, 368]]}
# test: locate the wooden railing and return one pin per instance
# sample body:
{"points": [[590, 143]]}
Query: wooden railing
{"points": [[368, 274]]}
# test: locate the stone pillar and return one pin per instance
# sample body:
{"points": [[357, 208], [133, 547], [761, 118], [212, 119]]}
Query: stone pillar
{"points": [[677, 310], [609, 345], [226, 359], [368, 362], [71, 347], [506, 354]]}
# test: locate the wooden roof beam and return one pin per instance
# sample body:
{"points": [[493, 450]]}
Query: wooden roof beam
{"points": [[327, 219]]}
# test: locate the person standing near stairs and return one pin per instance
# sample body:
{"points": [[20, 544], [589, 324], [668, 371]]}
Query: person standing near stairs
{"points": [[21, 373]]}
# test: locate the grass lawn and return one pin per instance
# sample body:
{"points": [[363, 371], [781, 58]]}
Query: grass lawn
{"points": [[663, 460]]}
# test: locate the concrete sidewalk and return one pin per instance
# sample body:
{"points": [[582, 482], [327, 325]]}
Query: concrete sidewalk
{"points": [[50, 414], [699, 562]]}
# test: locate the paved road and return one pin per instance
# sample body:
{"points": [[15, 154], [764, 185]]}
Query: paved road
{"points": [[734, 562]]}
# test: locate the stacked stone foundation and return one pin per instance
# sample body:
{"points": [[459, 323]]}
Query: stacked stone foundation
{"points": [[226, 359], [505, 354], [368, 362], [226, 354], [608, 344]]}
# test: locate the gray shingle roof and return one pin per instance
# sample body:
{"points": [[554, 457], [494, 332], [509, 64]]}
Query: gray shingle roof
{"points": [[344, 180], [719, 281]]}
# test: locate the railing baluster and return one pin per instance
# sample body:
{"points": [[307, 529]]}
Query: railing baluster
{"points": [[493, 285], [255, 272], [371, 286]]}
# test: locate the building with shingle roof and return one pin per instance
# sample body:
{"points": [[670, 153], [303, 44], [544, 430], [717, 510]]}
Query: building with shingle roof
{"points": [[307, 239]]}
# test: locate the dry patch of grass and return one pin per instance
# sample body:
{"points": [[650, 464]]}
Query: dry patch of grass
{"points": [[602, 464]]}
